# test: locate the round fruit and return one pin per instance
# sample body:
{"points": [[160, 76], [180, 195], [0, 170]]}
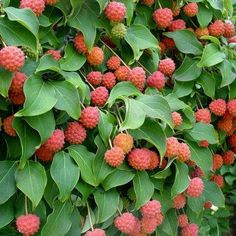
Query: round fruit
{"points": [[50, 2], [156, 80], [17, 82], [184, 153], [218, 179], [139, 158], [79, 44], [182, 220], [177, 119], [217, 28], [99, 96], [218, 107], [179, 201], [163, 17], [119, 31], [43, 154], [148, 225], [95, 57], [7, 126], [167, 66], [217, 162], [203, 115], [154, 160], [190, 230], [201, 32], [172, 147], [108, 80], [228, 157], [195, 188], [37, 6], [94, 78], [96, 232], [191, 9], [75, 133], [56, 141], [229, 30], [114, 157], [231, 107], [177, 25], [151, 209], [115, 11], [89, 117], [124, 141], [113, 63], [55, 54], [137, 76], [122, 73]]}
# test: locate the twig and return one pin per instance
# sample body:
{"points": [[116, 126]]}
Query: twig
{"points": [[26, 205], [110, 143], [82, 105], [119, 211], [86, 79], [90, 219], [144, 68]]}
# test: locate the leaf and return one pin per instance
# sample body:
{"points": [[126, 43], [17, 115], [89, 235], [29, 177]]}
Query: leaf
{"points": [[211, 56], [107, 203], [5, 82], [186, 41], [85, 189], [47, 62], [202, 131], [182, 89], [37, 92], [204, 15], [59, 221], [7, 180], [130, 8], [32, 181], [170, 223], [164, 173], [75, 228], [149, 131], [139, 38], [105, 126], [83, 159], [143, 188], [102, 4], [185, 71], [228, 76], [217, 4], [174, 103], [6, 213], [196, 204], [208, 83], [68, 176]]}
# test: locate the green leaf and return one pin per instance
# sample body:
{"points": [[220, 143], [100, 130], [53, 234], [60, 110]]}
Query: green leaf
{"points": [[228, 76], [47, 62], [37, 92], [83, 159], [5, 82], [84, 189], [211, 39], [217, 4], [102, 4], [130, 8], [196, 204], [149, 131], [143, 188], [29, 140], [182, 89], [75, 228], [186, 41], [208, 83], [185, 71], [211, 56], [204, 15], [107, 203], [6, 213], [164, 173], [59, 221], [174, 103], [68, 176], [202, 131], [7, 180], [170, 223], [139, 38], [32, 181]]}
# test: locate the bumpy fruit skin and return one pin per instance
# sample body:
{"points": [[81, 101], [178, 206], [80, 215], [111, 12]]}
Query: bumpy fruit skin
{"points": [[55, 54], [95, 57], [99, 96], [232, 39], [177, 25], [16, 98], [17, 82], [108, 80], [228, 157], [12, 58], [169, 43], [124, 141], [115, 11], [182, 220], [28, 224], [195, 188], [154, 160], [126, 223], [159, 219], [190, 230], [163, 17], [43, 154], [217, 162], [191, 9], [113, 63], [232, 140], [207, 205], [203, 115], [148, 2], [229, 30], [96, 232], [167, 66], [79, 44], [162, 48], [89, 117], [231, 107], [203, 143], [175, 10], [172, 147], [137, 76], [122, 73], [114, 157], [148, 225], [56, 142], [177, 119], [226, 124], [139, 159], [197, 172], [179, 201], [119, 31], [7, 126], [32, 54], [201, 32], [217, 28], [184, 153], [156, 80], [218, 107], [37, 6], [94, 78], [151, 209], [75, 133], [50, 2], [218, 179]]}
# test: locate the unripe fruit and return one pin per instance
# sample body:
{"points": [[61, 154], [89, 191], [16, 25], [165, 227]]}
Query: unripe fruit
{"points": [[176, 119], [124, 141], [137, 77], [37, 6], [217, 162], [191, 9], [115, 156], [231, 107], [43, 154], [95, 57], [94, 78], [229, 30], [190, 230], [156, 80], [151, 209], [56, 141], [163, 17], [108, 80], [119, 31], [177, 25], [217, 28], [89, 117], [228, 157], [179, 201], [7, 126], [113, 63], [32, 54], [218, 179], [139, 159], [195, 188], [167, 66], [203, 115], [55, 54], [115, 11], [182, 220], [99, 96], [218, 107], [183, 152], [172, 147], [122, 73], [79, 44], [75, 133]]}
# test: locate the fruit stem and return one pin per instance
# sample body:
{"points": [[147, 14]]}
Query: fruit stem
{"points": [[159, 4], [90, 219], [144, 68], [4, 44], [82, 105], [86, 79], [110, 143], [119, 211], [199, 101], [26, 205]]}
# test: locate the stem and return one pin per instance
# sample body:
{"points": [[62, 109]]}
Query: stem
{"points": [[159, 4], [90, 219], [144, 68], [83, 75], [119, 211], [82, 105], [110, 143], [4, 44], [199, 101], [26, 205]]}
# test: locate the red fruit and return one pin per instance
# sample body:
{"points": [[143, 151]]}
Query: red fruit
{"points": [[162, 48], [151, 209], [94, 78], [154, 160], [172, 147], [169, 43], [218, 107], [199, 32], [12, 58], [207, 205], [137, 76], [28, 224], [219, 180], [163, 17], [191, 9], [139, 158], [203, 115], [7, 126], [156, 80], [37, 6], [163, 164], [126, 223], [95, 57], [217, 28], [99, 96], [231, 107], [113, 63], [179, 201], [182, 220], [75, 133], [197, 173], [177, 119], [109, 80], [115, 156], [167, 66], [177, 25], [79, 44], [190, 230], [148, 225], [191, 163], [228, 157], [89, 117], [232, 140], [122, 73], [195, 188], [226, 124], [50, 2], [96, 232], [184, 153], [175, 10], [16, 98], [159, 219], [56, 54], [44, 154], [217, 162], [124, 141], [232, 39], [203, 143], [229, 30], [115, 11], [17, 82], [56, 141], [148, 2]]}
